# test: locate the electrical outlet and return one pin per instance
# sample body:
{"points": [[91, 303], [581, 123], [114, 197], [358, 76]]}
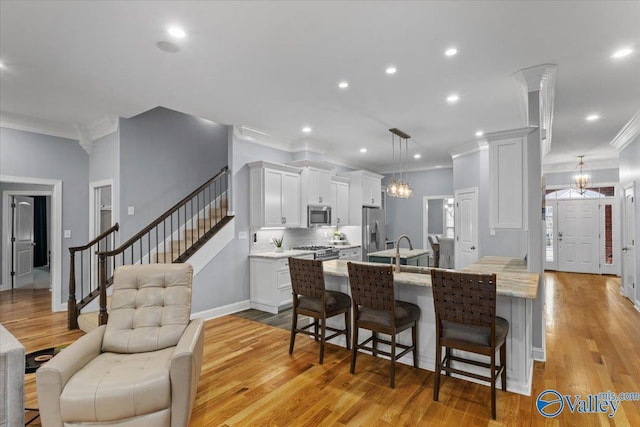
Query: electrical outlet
{"points": [[67, 234], [130, 210]]}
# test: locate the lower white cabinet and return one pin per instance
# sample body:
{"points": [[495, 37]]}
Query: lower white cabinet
{"points": [[350, 254], [270, 283]]}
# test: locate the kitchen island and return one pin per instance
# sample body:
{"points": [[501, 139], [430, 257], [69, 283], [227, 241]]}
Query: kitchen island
{"points": [[516, 289], [417, 257]]}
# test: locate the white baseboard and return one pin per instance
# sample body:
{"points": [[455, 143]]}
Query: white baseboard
{"points": [[539, 354], [212, 313]]}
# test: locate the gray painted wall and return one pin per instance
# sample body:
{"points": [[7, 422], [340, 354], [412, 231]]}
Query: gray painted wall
{"points": [[404, 216], [436, 216], [225, 280], [597, 176], [630, 172], [164, 156], [104, 162], [8, 186], [35, 155], [472, 170]]}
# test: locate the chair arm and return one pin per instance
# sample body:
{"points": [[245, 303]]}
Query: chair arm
{"points": [[186, 364], [53, 376]]}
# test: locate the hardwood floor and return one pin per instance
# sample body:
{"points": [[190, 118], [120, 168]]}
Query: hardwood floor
{"points": [[248, 378]]}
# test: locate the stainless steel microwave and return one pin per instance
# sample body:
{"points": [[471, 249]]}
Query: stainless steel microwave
{"points": [[318, 216]]}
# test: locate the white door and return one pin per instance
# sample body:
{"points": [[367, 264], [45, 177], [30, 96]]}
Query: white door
{"points": [[23, 247], [628, 245], [466, 228], [551, 232], [578, 236]]}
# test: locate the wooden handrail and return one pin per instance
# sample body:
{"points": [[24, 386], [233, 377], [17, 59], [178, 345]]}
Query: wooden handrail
{"points": [[164, 216], [72, 307], [100, 236]]}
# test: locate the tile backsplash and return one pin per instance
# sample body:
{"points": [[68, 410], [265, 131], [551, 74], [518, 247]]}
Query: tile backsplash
{"points": [[292, 237]]}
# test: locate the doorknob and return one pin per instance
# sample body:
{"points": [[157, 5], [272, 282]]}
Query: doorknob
{"points": [[473, 248], [625, 249]]}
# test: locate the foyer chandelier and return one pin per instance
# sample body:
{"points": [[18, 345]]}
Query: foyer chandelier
{"points": [[399, 187], [581, 179]]}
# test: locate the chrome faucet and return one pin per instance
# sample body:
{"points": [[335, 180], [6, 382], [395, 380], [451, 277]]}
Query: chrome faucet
{"points": [[398, 250]]}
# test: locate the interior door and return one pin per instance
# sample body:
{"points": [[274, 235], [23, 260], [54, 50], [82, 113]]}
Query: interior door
{"points": [[23, 246], [628, 245], [466, 228], [578, 236]]}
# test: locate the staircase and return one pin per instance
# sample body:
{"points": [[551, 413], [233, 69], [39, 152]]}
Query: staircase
{"points": [[173, 237]]}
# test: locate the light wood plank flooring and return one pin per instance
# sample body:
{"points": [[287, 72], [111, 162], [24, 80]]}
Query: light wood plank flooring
{"points": [[249, 379]]}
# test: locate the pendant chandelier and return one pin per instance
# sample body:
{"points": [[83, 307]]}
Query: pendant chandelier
{"points": [[581, 179], [399, 187]]}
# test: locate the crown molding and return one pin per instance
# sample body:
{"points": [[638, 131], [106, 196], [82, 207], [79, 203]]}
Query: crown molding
{"points": [[628, 133], [468, 148], [541, 78], [509, 133], [102, 127], [35, 125], [596, 164], [416, 169]]}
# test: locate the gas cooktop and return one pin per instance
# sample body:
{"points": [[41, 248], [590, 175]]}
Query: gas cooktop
{"points": [[312, 247]]}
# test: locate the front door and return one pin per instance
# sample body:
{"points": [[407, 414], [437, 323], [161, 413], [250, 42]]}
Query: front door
{"points": [[23, 244], [578, 238], [466, 228], [628, 245]]}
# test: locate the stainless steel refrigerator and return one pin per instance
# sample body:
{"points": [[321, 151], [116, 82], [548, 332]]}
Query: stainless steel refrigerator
{"points": [[373, 231]]}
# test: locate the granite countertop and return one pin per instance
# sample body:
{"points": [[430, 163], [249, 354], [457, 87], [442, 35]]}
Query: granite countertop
{"points": [[344, 246], [512, 281], [284, 254], [404, 253]]}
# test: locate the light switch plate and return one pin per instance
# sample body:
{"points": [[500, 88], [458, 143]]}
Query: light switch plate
{"points": [[130, 210], [67, 234], [243, 235]]}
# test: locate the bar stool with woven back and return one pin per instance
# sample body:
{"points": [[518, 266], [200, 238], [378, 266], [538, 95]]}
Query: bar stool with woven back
{"points": [[311, 299], [376, 309], [465, 309]]}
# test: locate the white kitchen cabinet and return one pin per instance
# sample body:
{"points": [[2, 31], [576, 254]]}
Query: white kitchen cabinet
{"points": [[371, 191], [315, 183], [340, 201], [507, 179], [274, 194], [270, 283], [365, 189], [350, 254]]}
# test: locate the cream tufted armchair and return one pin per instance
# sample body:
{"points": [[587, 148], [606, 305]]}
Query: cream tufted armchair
{"points": [[141, 368]]}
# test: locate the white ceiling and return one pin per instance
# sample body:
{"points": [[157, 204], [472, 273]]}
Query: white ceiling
{"points": [[275, 66]]}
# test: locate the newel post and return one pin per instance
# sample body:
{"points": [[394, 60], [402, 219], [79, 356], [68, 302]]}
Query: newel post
{"points": [[102, 282], [72, 311]]}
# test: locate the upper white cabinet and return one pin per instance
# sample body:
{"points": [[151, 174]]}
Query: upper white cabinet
{"points": [[274, 194], [507, 179], [365, 190], [316, 182], [371, 191], [340, 201]]}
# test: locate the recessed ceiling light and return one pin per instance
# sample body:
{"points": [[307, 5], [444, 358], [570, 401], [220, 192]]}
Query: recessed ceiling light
{"points": [[306, 129], [391, 70], [479, 133], [622, 52], [177, 32], [592, 117], [1, 65], [451, 51], [417, 156], [343, 85], [363, 150], [453, 98]]}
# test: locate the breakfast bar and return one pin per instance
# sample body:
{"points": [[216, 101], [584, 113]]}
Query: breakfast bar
{"points": [[516, 289]]}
